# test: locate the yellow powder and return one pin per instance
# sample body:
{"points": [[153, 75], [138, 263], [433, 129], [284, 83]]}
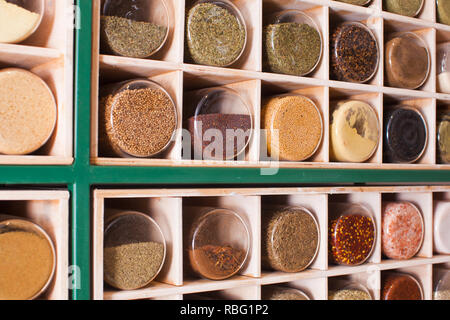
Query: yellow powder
{"points": [[294, 127], [354, 132], [16, 23], [26, 263], [27, 112]]}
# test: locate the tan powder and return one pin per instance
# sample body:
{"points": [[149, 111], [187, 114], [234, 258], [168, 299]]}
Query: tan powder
{"points": [[27, 112], [16, 23], [293, 127], [26, 264]]}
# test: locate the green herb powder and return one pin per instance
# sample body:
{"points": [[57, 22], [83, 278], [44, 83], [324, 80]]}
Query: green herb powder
{"points": [[408, 8], [356, 2], [215, 36], [292, 48], [130, 38]]}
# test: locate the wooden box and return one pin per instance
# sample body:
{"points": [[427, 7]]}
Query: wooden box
{"points": [[168, 208]]}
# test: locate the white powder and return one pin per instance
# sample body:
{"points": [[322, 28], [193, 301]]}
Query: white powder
{"points": [[16, 23], [444, 82]]}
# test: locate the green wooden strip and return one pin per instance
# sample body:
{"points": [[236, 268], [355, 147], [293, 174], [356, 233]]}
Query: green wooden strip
{"points": [[36, 174]]}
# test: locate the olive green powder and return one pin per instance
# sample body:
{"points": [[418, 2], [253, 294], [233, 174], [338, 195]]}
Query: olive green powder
{"points": [[132, 266], [348, 295], [292, 48], [130, 38], [215, 36], [443, 11], [356, 2], [408, 8]]}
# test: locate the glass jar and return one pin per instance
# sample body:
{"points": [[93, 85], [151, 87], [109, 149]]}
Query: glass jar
{"points": [[352, 234], [218, 243], [348, 290], [134, 249], [356, 2], [410, 8], [402, 230], [293, 43], [443, 67], [216, 33], [400, 286], [441, 227], [443, 135], [28, 112], [290, 238], [355, 132], [408, 61], [27, 259], [441, 284], [222, 125], [293, 127], [354, 53], [19, 19], [443, 11], [138, 118], [405, 135], [134, 28], [282, 293]]}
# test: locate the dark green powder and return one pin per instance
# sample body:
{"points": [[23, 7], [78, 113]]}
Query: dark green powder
{"points": [[356, 2], [130, 38], [215, 36], [292, 48], [408, 8]]}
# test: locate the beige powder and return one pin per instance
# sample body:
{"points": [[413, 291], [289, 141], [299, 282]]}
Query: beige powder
{"points": [[16, 23], [27, 112]]}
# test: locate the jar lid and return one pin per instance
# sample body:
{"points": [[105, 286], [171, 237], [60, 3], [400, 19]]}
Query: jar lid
{"points": [[401, 286], [406, 135], [402, 230], [19, 19], [134, 28], [293, 43], [219, 244], [294, 127], [29, 256], [223, 114], [410, 8], [408, 61], [28, 109], [355, 132], [216, 33], [352, 235], [354, 53], [292, 238], [140, 118], [134, 250]]}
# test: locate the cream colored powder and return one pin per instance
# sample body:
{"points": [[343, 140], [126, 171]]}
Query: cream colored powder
{"points": [[16, 23], [354, 132], [27, 112]]}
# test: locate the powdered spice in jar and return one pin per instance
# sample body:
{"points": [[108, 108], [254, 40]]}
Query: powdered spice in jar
{"points": [[351, 238], [356, 2], [400, 286], [443, 11], [283, 293], [293, 126], [354, 53], [355, 132], [402, 230], [410, 8], [405, 136], [349, 294], [27, 260], [28, 112], [17, 22], [137, 118], [293, 43], [290, 239], [407, 61], [216, 33], [444, 138]]}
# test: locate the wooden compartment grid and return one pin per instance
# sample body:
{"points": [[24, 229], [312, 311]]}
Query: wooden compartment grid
{"points": [[170, 208], [50, 210], [249, 71], [49, 54]]}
